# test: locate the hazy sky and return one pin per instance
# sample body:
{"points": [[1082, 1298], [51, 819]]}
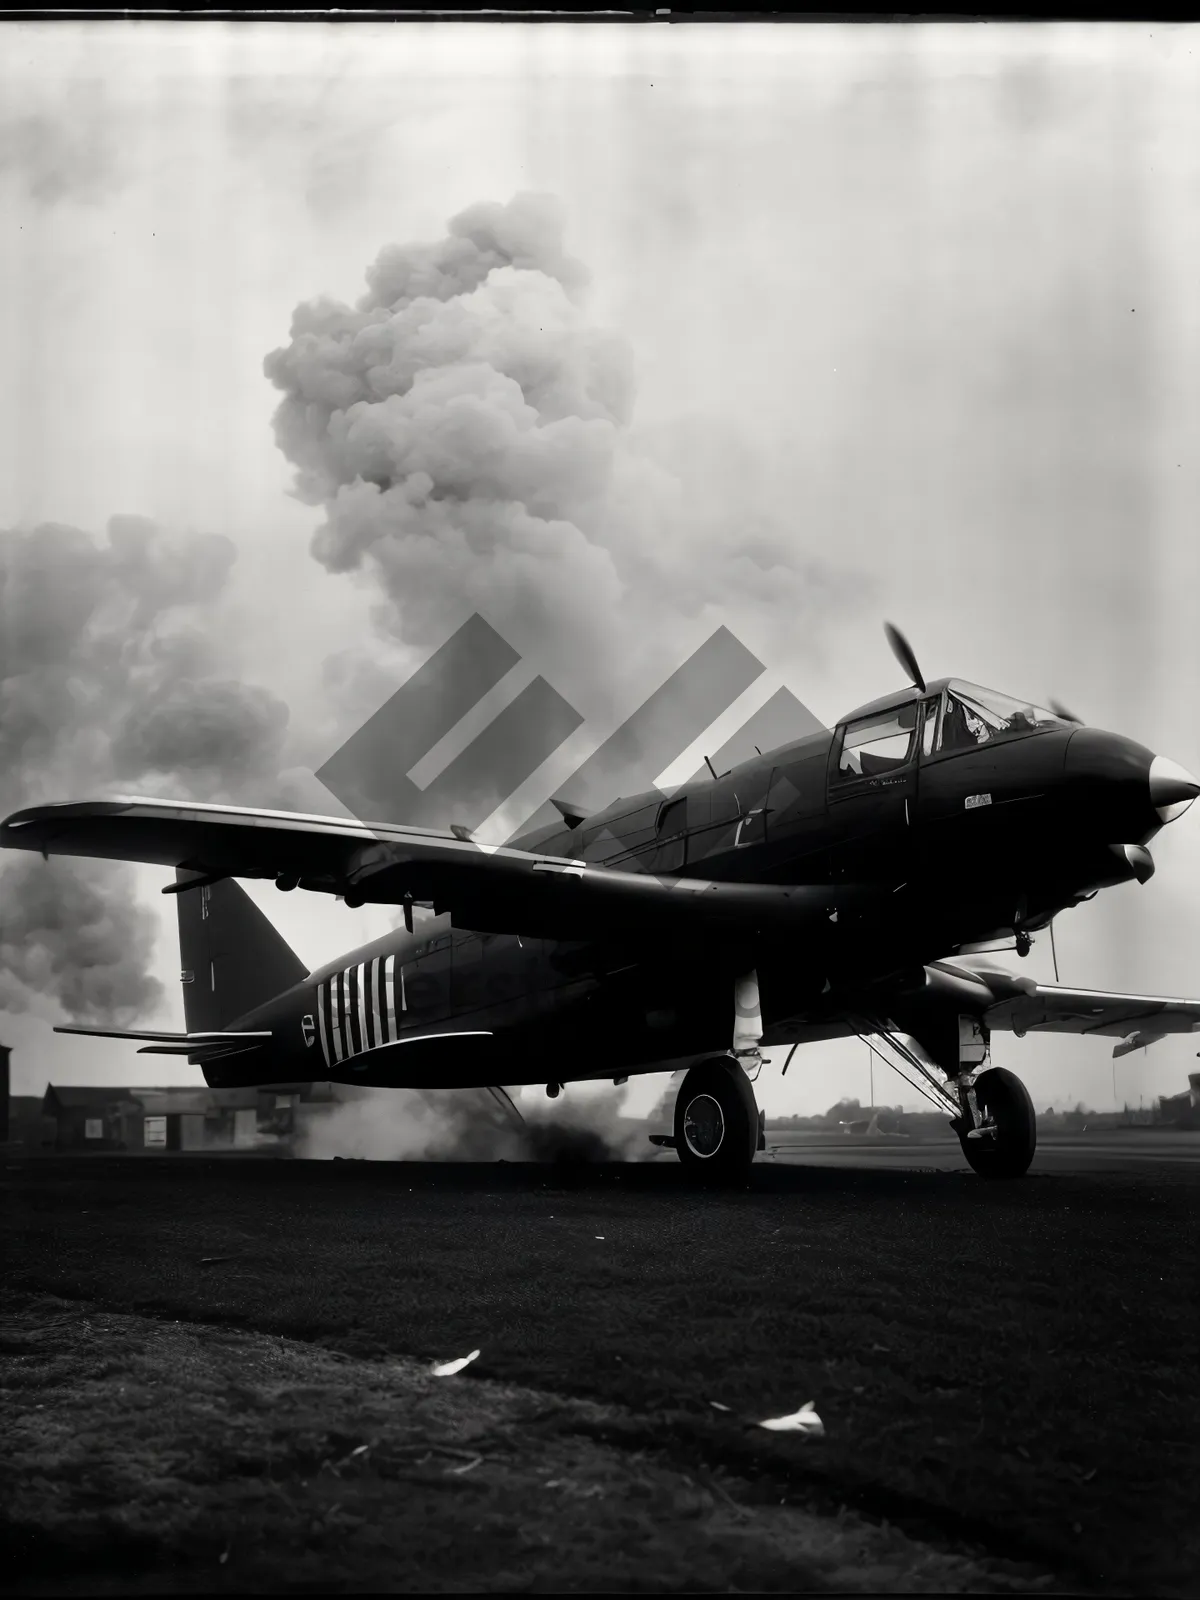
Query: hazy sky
{"points": [[918, 300]]}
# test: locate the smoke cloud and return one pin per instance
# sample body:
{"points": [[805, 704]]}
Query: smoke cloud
{"points": [[468, 1125], [72, 936], [469, 435], [111, 679]]}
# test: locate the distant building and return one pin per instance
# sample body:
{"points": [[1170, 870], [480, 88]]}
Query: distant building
{"points": [[159, 1121], [28, 1131], [97, 1118]]}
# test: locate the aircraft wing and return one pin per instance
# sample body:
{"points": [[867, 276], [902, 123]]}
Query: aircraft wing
{"points": [[1133, 1020], [489, 888]]}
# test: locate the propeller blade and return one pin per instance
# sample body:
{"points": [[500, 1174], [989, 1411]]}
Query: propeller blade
{"points": [[903, 653], [1060, 710]]}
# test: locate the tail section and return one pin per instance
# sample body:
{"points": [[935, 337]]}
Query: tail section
{"points": [[233, 958]]}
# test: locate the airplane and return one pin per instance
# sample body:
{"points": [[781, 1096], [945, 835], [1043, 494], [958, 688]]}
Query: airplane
{"points": [[839, 885]]}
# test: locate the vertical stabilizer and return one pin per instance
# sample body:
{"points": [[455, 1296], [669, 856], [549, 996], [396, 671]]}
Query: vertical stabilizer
{"points": [[232, 957]]}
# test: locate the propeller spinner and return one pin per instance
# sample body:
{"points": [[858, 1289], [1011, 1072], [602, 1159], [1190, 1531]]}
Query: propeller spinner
{"points": [[903, 653]]}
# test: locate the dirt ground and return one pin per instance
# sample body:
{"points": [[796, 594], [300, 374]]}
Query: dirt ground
{"points": [[174, 1456], [217, 1376]]}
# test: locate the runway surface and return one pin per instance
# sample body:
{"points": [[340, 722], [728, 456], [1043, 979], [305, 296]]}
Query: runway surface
{"points": [[1005, 1373], [1115, 1150]]}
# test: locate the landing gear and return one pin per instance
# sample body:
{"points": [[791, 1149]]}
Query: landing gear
{"points": [[1002, 1143], [716, 1120], [994, 1120]]}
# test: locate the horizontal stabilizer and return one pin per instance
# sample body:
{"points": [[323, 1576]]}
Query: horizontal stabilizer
{"points": [[203, 1052], [158, 1036], [199, 1047]]}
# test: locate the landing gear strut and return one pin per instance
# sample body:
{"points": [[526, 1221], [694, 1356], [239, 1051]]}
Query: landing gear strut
{"points": [[716, 1120], [994, 1117], [996, 1124]]}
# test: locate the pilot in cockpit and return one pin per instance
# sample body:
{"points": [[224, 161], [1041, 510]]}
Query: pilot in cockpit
{"points": [[962, 729]]}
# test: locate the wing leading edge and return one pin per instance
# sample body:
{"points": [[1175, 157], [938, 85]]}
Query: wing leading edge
{"points": [[1134, 1020], [490, 888]]}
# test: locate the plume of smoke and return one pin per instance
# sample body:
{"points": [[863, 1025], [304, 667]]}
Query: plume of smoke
{"points": [[110, 678], [468, 434], [65, 933], [213, 734], [661, 1114], [583, 1126], [468, 1125], [411, 1125]]}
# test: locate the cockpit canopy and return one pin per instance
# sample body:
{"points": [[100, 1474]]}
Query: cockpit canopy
{"points": [[988, 714], [950, 716]]}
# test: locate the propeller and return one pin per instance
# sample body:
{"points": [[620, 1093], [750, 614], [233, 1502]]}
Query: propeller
{"points": [[1060, 710], [906, 656], [903, 653]]}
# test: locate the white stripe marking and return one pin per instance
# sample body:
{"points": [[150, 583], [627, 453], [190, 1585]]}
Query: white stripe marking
{"points": [[336, 1005], [322, 991], [376, 974], [362, 1005], [389, 995]]}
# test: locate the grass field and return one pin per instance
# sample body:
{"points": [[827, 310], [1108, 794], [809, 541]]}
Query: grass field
{"points": [[1006, 1374]]}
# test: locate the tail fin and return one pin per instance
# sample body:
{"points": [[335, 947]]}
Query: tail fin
{"points": [[233, 959]]}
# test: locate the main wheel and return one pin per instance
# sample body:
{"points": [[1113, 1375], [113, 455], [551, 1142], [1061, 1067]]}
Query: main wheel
{"points": [[716, 1120], [1004, 1101]]}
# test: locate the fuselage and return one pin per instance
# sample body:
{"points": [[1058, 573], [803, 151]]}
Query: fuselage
{"points": [[974, 816]]}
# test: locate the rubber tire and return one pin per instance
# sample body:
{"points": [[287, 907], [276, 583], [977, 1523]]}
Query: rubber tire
{"points": [[1008, 1155], [728, 1085]]}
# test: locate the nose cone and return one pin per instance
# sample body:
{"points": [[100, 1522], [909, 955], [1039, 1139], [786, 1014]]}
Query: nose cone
{"points": [[1108, 786], [1172, 789]]}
